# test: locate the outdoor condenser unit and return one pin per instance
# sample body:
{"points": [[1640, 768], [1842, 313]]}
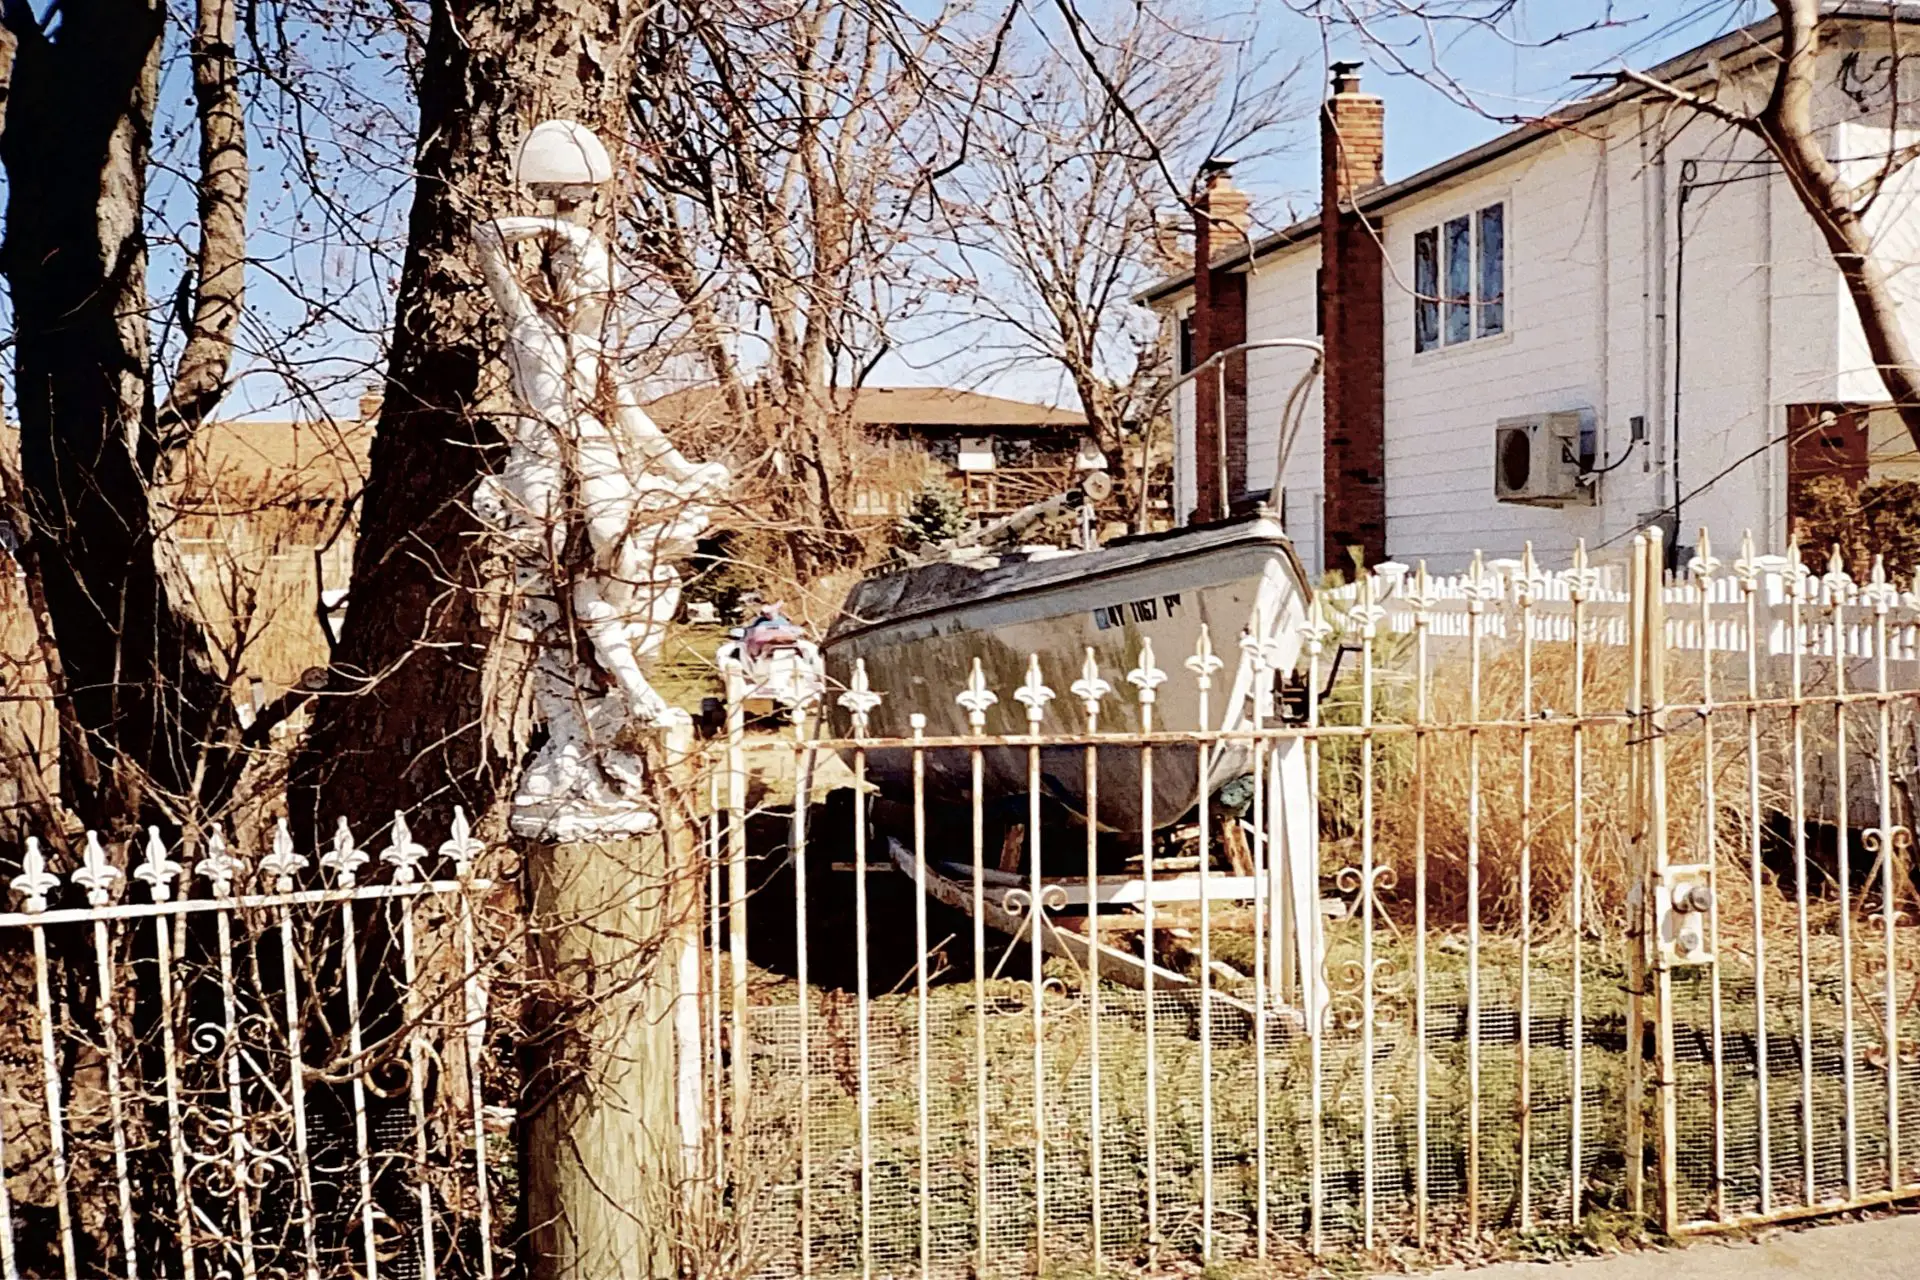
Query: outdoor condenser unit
{"points": [[1538, 459]]}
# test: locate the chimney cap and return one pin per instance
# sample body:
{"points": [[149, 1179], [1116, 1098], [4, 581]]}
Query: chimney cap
{"points": [[1213, 165], [1346, 76]]}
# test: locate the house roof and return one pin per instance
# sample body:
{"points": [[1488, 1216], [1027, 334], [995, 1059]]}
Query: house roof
{"points": [[895, 407], [273, 463], [1677, 68], [233, 465]]}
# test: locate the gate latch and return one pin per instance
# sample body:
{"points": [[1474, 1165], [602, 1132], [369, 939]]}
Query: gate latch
{"points": [[1681, 900]]}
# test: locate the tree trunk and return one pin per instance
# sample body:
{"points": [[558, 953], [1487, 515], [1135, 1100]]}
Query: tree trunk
{"points": [[1787, 126], [146, 700], [220, 265], [602, 1147], [410, 720]]}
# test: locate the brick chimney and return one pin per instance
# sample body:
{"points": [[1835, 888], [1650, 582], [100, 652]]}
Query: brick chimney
{"points": [[1352, 161], [1222, 217]]}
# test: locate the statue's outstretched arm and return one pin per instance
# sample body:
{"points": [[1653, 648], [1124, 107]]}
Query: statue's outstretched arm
{"points": [[490, 238], [514, 228], [640, 438]]}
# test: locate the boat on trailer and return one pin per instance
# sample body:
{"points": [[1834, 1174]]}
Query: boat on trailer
{"points": [[1148, 609], [1209, 620]]}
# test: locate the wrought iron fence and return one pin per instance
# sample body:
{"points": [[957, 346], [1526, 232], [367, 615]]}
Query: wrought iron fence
{"points": [[239, 1068], [1526, 889], [1524, 895]]}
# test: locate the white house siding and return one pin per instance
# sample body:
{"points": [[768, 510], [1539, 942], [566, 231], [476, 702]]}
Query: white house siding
{"points": [[1441, 406], [1280, 304], [1894, 223], [1720, 337], [1185, 491], [1599, 313]]}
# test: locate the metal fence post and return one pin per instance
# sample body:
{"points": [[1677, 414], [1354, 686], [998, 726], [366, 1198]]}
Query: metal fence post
{"points": [[741, 1056], [1634, 1100], [1656, 728]]}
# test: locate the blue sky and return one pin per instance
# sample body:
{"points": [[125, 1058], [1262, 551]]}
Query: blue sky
{"points": [[359, 115]]}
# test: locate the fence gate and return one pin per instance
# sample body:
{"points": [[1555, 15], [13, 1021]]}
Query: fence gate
{"points": [[1526, 893], [1779, 952]]}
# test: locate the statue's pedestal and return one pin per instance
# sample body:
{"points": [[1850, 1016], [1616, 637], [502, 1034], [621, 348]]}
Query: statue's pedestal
{"points": [[613, 931]]}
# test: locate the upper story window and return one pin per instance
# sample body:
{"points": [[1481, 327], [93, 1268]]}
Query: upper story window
{"points": [[1460, 279]]}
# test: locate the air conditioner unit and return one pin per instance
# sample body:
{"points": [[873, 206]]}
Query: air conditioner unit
{"points": [[1539, 459]]}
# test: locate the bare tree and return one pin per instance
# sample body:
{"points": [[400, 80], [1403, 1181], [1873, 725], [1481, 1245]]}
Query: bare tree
{"points": [[778, 156], [1059, 214], [1412, 35], [146, 722]]}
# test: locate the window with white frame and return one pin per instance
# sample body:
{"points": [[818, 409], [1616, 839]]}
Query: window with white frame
{"points": [[1460, 279]]}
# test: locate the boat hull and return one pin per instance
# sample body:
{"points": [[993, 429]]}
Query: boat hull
{"points": [[919, 634]]}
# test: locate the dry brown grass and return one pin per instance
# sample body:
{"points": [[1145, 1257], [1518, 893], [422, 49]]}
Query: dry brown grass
{"points": [[1526, 851]]}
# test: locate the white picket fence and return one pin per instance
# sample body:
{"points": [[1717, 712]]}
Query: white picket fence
{"points": [[1709, 607]]}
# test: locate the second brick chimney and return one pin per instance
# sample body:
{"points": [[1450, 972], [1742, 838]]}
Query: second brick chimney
{"points": [[1352, 162], [1222, 218]]}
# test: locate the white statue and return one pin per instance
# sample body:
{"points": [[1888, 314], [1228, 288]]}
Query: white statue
{"points": [[586, 460]]}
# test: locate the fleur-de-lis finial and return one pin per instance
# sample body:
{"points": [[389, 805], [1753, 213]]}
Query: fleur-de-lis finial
{"points": [[460, 846], [1879, 594], [283, 864], [1702, 565], [35, 882], [1205, 662], [1420, 597], [1090, 688], [1526, 583], [158, 870], [1800, 578], [1480, 586], [1583, 579], [95, 874], [217, 865], [1252, 651], [1746, 567], [1145, 676], [1366, 613], [976, 697], [1033, 693], [1836, 579], [345, 859], [403, 853], [860, 698], [1318, 630]]}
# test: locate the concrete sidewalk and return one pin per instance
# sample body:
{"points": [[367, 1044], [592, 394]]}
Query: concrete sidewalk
{"points": [[1886, 1247]]}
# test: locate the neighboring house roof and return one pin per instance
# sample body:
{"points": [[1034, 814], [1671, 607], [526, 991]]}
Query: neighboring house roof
{"points": [[924, 407], [273, 463], [241, 464], [1678, 68]]}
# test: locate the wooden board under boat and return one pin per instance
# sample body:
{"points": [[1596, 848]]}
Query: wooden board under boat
{"points": [[1116, 965]]}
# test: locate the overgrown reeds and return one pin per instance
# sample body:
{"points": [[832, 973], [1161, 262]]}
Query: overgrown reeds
{"points": [[1492, 779]]}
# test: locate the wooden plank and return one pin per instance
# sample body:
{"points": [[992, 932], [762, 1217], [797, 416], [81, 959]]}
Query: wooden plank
{"points": [[1121, 966], [1120, 890]]}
